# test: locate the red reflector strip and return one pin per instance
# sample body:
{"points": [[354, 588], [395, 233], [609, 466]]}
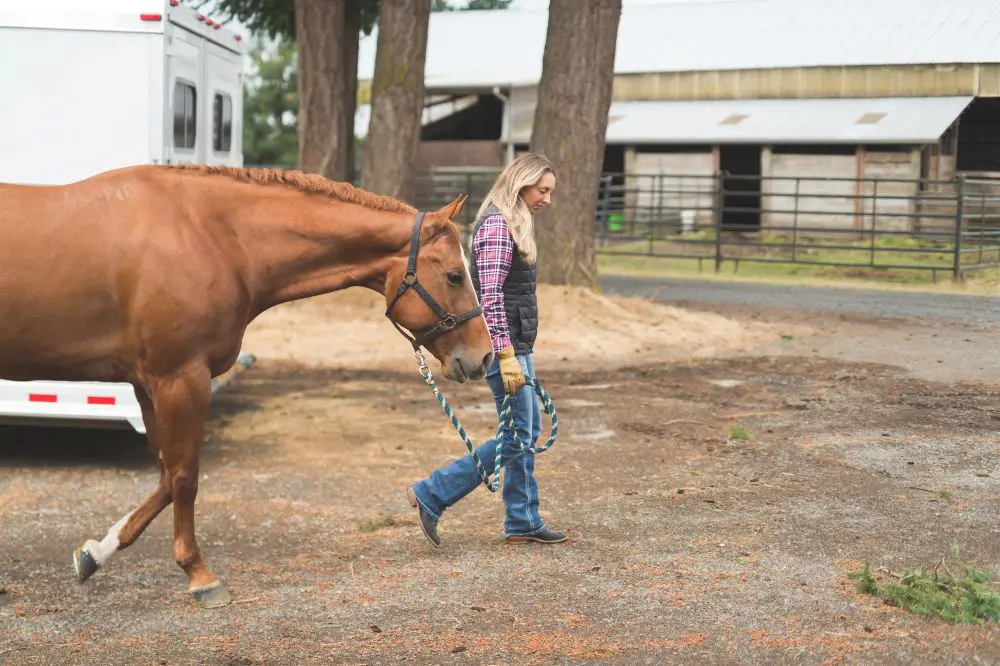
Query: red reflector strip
{"points": [[100, 400], [150, 17], [42, 397]]}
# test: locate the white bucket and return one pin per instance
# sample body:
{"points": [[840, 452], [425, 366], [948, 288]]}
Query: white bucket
{"points": [[687, 221]]}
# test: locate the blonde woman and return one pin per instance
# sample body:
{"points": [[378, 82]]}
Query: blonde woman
{"points": [[503, 273]]}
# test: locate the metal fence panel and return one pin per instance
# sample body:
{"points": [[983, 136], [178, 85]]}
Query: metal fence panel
{"points": [[942, 226]]}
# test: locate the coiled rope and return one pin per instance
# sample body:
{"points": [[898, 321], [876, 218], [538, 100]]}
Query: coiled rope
{"points": [[506, 422]]}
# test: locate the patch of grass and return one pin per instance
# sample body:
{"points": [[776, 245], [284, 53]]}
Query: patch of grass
{"points": [[945, 495], [952, 591], [373, 524], [739, 432], [889, 276]]}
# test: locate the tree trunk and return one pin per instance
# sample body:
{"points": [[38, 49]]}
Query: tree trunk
{"points": [[571, 118], [393, 140], [327, 86], [349, 50]]}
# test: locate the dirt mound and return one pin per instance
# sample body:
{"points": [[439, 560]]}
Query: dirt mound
{"points": [[579, 323], [349, 329]]}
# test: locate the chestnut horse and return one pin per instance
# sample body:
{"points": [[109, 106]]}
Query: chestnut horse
{"points": [[150, 275]]}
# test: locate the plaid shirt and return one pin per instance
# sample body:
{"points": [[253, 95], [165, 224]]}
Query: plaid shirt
{"points": [[493, 248]]}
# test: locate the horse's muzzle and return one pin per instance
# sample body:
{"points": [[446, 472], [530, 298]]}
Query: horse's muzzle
{"points": [[460, 369]]}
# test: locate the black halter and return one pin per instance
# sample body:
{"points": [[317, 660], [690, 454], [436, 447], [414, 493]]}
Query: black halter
{"points": [[447, 321]]}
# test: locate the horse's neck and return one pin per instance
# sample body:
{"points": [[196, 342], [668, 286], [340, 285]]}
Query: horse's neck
{"points": [[298, 246]]}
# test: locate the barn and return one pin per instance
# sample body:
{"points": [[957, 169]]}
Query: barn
{"points": [[777, 94]]}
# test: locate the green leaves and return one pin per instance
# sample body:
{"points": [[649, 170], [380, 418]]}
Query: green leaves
{"points": [[270, 106], [488, 4], [276, 18], [447, 6], [271, 18]]}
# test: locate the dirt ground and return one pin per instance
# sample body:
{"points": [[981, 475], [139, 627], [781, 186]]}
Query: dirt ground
{"points": [[687, 544]]}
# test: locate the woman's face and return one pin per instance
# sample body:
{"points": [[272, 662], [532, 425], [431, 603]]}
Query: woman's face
{"points": [[539, 195]]}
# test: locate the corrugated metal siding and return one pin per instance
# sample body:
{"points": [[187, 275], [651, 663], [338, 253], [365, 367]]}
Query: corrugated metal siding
{"points": [[478, 48]]}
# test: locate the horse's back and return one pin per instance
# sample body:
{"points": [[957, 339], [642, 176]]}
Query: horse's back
{"points": [[70, 262]]}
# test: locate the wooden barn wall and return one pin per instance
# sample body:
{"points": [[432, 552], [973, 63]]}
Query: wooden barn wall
{"points": [[981, 80], [821, 204], [889, 169], [661, 184]]}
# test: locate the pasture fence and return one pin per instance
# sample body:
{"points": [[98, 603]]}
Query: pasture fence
{"points": [[945, 227]]}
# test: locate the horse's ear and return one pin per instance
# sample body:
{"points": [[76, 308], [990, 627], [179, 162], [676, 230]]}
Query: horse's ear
{"points": [[453, 209]]}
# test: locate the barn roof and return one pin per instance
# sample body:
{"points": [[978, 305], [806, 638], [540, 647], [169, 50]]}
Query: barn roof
{"points": [[480, 49], [899, 120]]}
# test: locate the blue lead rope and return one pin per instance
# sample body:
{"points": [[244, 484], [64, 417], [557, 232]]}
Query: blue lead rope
{"points": [[506, 423]]}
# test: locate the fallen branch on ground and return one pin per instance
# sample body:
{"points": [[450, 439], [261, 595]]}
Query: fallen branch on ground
{"points": [[748, 414], [685, 421], [959, 593]]}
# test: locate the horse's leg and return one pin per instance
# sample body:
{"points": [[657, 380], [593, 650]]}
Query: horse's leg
{"points": [[181, 405], [93, 555]]}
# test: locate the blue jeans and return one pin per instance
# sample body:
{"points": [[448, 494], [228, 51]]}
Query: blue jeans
{"points": [[445, 486]]}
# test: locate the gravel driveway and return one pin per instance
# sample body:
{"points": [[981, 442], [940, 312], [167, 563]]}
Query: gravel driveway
{"points": [[690, 543], [973, 310]]}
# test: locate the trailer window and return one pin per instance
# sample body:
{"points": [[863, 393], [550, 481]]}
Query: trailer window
{"points": [[222, 134], [185, 115]]}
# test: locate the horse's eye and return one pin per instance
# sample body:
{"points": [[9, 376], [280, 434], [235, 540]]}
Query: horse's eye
{"points": [[456, 279]]}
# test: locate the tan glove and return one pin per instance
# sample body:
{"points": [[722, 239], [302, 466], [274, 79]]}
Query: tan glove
{"points": [[510, 371]]}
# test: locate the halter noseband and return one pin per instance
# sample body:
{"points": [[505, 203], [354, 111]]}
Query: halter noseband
{"points": [[447, 321]]}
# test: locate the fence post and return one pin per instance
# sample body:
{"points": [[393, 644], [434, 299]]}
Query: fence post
{"points": [[956, 273], [795, 221], [871, 244], [719, 202]]}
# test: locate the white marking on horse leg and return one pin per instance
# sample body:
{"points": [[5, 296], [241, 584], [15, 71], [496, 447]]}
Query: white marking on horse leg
{"points": [[102, 550]]}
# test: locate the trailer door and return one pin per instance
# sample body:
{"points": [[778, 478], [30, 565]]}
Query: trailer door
{"points": [[224, 105], [185, 132]]}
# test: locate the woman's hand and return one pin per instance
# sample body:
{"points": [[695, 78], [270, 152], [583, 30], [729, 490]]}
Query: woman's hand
{"points": [[510, 371]]}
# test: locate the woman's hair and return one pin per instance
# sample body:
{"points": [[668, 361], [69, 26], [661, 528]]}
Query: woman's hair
{"points": [[526, 170]]}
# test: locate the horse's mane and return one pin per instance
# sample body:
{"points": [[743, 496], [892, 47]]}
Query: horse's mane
{"points": [[304, 182]]}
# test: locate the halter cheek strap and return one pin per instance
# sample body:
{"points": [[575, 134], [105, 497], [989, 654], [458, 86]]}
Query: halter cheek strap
{"points": [[447, 321]]}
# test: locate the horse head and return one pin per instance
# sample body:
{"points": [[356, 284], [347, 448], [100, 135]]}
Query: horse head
{"points": [[430, 292]]}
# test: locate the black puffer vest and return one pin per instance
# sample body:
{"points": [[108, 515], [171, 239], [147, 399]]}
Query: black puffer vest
{"points": [[520, 301]]}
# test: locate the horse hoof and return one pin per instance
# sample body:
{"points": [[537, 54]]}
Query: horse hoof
{"points": [[212, 596], [84, 564]]}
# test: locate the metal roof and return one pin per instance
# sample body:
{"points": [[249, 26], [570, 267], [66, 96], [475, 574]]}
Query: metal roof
{"points": [[901, 120], [480, 49]]}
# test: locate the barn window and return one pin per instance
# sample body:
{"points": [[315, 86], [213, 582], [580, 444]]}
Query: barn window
{"points": [[185, 115]]}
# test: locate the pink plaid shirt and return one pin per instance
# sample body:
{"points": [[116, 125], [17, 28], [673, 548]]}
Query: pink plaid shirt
{"points": [[493, 249]]}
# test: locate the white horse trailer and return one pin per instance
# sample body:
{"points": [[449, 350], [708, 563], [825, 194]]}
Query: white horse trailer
{"points": [[95, 85]]}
